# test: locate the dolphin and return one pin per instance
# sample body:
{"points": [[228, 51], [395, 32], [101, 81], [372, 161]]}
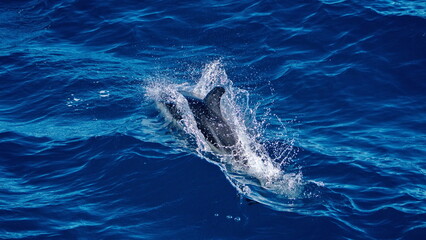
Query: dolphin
{"points": [[208, 116]]}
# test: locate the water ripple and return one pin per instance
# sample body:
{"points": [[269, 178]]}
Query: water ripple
{"points": [[83, 154]]}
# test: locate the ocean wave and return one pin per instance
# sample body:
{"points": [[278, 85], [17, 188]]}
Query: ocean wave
{"points": [[332, 90]]}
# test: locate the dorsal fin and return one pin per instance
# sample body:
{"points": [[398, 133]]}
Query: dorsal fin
{"points": [[212, 99]]}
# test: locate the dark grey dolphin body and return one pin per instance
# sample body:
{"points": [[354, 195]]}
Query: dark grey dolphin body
{"points": [[209, 119]]}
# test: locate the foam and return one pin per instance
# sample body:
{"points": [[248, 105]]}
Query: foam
{"points": [[259, 171]]}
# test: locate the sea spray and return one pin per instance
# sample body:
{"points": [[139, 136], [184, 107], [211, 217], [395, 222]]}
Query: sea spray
{"points": [[260, 172]]}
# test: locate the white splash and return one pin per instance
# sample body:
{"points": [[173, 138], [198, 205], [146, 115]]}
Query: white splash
{"points": [[259, 171]]}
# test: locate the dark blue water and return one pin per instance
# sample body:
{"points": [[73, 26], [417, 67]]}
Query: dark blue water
{"points": [[335, 94]]}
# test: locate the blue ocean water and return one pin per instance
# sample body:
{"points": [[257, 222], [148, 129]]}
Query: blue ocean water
{"points": [[331, 94]]}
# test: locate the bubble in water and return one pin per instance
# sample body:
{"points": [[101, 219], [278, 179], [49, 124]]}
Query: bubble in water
{"points": [[104, 93]]}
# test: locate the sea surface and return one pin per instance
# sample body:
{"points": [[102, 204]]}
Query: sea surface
{"points": [[327, 99]]}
